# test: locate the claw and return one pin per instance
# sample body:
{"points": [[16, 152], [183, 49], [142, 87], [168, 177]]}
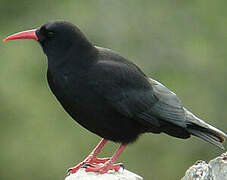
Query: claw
{"points": [[122, 165], [84, 165], [69, 170], [72, 170], [87, 163], [102, 169], [75, 169]]}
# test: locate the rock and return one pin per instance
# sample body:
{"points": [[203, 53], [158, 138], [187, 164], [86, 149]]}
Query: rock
{"points": [[216, 169], [122, 174], [219, 167]]}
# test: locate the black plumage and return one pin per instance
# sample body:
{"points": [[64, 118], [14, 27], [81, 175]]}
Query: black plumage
{"points": [[111, 96], [106, 93]]}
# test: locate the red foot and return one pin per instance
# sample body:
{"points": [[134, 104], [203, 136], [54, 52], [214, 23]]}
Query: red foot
{"points": [[75, 168], [100, 160], [88, 162], [102, 169]]}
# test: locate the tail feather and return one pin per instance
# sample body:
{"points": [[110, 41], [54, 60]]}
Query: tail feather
{"points": [[199, 128], [210, 137]]}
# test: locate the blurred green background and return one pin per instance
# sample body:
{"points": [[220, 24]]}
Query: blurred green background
{"points": [[180, 43]]}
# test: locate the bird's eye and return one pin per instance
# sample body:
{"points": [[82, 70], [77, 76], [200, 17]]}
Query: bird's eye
{"points": [[50, 34]]}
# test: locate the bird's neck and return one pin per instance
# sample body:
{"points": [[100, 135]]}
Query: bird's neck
{"points": [[74, 60]]}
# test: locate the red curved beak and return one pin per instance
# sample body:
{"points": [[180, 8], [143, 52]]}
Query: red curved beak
{"points": [[30, 34]]}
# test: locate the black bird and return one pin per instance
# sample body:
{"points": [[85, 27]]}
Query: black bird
{"points": [[109, 95]]}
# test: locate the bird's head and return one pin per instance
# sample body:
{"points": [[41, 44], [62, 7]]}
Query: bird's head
{"points": [[57, 38]]}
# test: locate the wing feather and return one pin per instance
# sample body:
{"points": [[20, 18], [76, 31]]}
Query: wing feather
{"points": [[136, 96]]}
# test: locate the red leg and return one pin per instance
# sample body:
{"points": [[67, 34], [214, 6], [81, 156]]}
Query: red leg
{"points": [[109, 165], [91, 158]]}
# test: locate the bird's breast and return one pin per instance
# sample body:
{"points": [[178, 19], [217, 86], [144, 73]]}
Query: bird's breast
{"points": [[72, 92], [90, 109]]}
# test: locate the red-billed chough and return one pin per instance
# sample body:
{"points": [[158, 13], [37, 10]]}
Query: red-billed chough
{"points": [[109, 95]]}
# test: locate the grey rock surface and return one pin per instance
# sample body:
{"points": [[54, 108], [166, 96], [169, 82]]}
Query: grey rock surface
{"points": [[216, 169], [122, 174]]}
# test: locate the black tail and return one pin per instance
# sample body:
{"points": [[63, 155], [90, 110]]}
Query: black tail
{"points": [[199, 128], [209, 135]]}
